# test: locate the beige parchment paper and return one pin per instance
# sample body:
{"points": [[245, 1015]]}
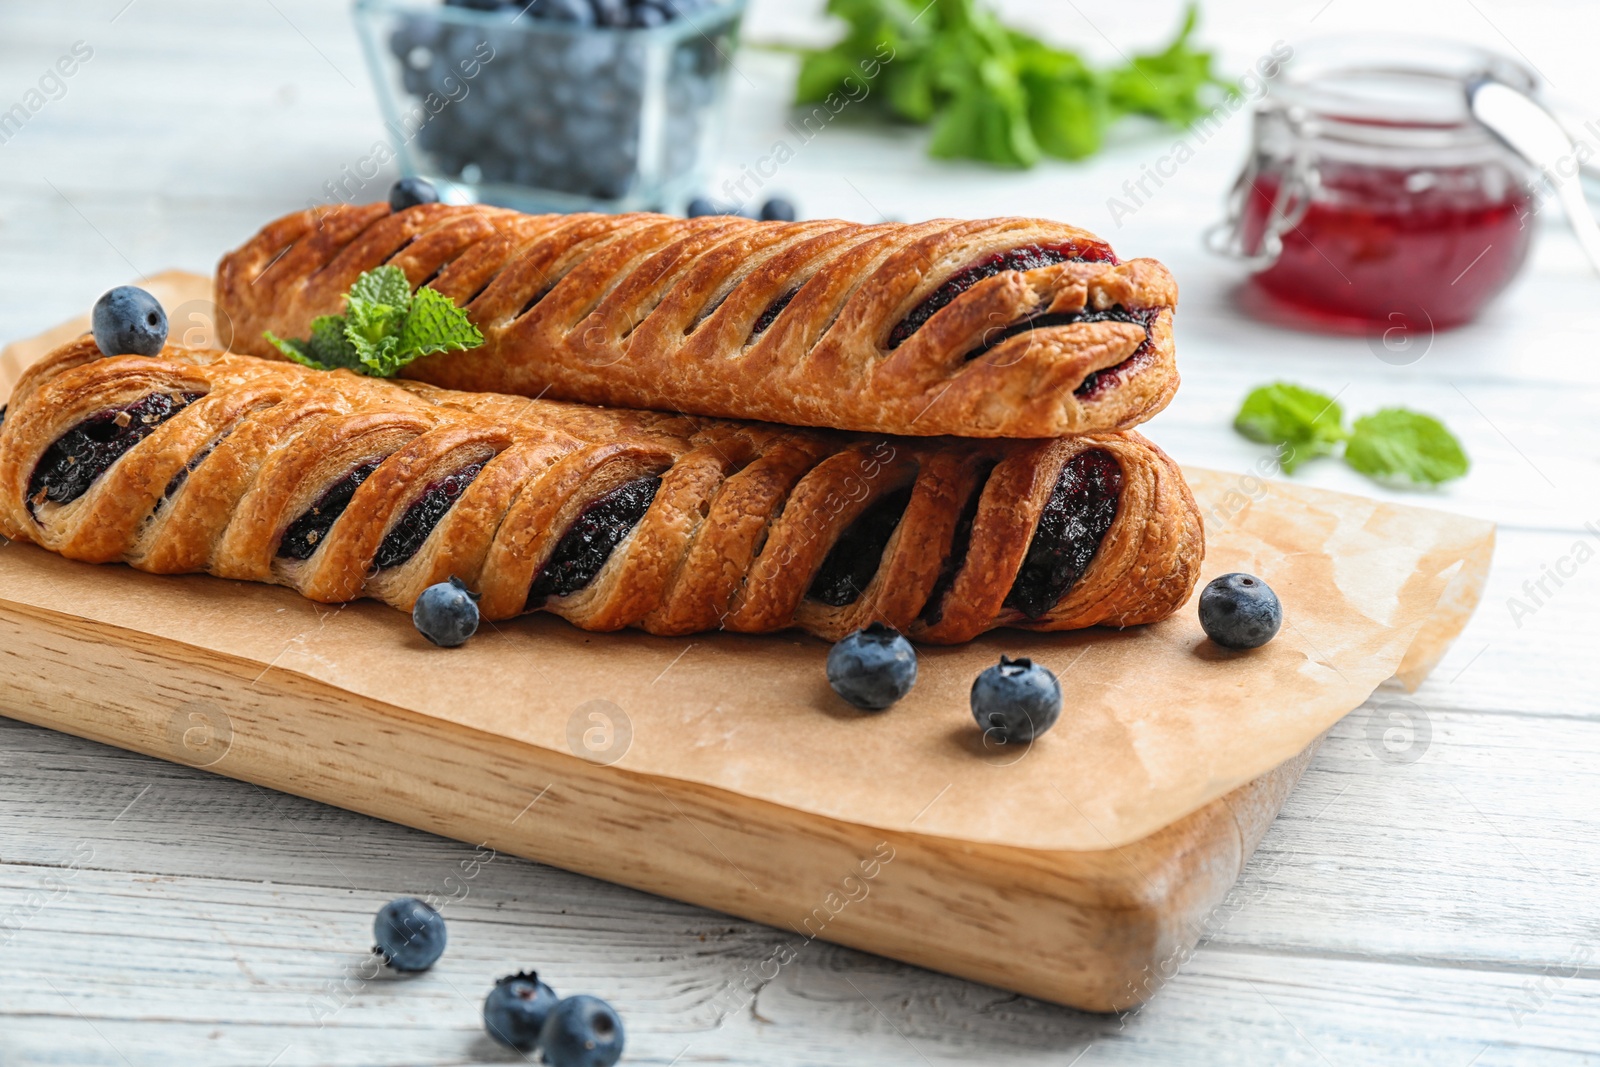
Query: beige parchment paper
{"points": [[1157, 723]]}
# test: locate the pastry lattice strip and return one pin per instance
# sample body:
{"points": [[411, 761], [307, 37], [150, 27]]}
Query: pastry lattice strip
{"points": [[990, 328], [342, 487]]}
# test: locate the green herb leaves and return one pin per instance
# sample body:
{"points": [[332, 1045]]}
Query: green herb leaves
{"points": [[993, 93], [1312, 424], [1405, 446], [384, 327], [1394, 445]]}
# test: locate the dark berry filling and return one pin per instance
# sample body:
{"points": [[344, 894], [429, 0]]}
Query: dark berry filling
{"points": [[591, 539], [768, 317], [1028, 257], [183, 475], [1080, 510], [1099, 381], [3, 408], [307, 532], [420, 518], [853, 561], [70, 465], [960, 543]]}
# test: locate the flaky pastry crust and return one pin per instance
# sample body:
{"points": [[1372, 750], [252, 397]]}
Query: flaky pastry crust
{"points": [[342, 487], [991, 328]]}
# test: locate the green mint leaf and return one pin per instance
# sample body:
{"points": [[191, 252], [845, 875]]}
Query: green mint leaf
{"points": [[1069, 107], [329, 346], [435, 324], [824, 72], [1281, 413], [1167, 85], [386, 285], [369, 323], [299, 351], [379, 358], [1401, 446]]}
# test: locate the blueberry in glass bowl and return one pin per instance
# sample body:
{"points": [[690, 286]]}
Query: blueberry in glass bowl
{"points": [[554, 105]]}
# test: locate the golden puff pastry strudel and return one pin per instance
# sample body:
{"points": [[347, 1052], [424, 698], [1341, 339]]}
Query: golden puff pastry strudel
{"points": [[342, 486], [992, 328]]}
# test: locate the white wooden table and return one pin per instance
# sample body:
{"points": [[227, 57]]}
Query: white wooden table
{"points": [[1426, 899]]}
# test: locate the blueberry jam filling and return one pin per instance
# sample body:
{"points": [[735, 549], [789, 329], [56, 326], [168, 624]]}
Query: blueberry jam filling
{"points": [[1080, 510], [591, 539], [307, 532], [420, 518], [183, 475], [1028, 257], [1137, 317], [768, 317], [853, 561], [70, 465], [960, 543]]}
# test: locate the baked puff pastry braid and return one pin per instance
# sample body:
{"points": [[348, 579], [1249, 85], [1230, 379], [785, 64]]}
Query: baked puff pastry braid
{"points": [[992, 328], [341, 487]]}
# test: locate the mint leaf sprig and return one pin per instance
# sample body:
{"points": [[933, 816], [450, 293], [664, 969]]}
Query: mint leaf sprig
{"points": [[384, 327], [1397, 446], [993, 93]]}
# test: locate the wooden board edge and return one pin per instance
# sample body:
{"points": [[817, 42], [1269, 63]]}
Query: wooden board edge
{"points": [[1092, 930]]}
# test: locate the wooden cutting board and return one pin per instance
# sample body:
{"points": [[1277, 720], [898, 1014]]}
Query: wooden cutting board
{"points": [[745, 790]]}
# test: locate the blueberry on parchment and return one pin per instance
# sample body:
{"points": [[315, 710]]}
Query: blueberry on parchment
{"points": [[872, 668], [1240, 611]]}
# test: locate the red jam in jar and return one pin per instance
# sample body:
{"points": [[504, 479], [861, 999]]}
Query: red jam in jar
{"points": [[1371, 193]]}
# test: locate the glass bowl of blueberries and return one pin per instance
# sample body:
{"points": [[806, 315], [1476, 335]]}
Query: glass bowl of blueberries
{"points": [[553, 105]]}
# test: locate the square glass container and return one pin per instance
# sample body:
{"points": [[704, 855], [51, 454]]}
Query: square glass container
{"points": [[503, 108]]}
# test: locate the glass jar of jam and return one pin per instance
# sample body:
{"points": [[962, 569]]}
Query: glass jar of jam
{"points": [[1371, 195]]}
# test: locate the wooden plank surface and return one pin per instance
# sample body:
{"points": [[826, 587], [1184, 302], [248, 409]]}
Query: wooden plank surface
{"points": [[1436, 911]]}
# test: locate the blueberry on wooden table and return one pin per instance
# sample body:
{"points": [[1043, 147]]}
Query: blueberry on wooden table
{"points": [[128, 321], [1016, 700], [447, 613], [702, 206], [1240, 611], [515, 1011], [778, 210], [410, 192], [582, 1031], [872, 668], [408, 934]]}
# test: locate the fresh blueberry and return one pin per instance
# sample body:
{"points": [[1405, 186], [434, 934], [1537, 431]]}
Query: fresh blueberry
{"points": [[572, 11], [1016, 700], [648, 15], [410, 192], [610, 12], [129, 322], [447, 613], [582, 1032], [409, 934], [778, 210], [702, 206], [516, 1009], [872, 668], [1240, 611]]}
